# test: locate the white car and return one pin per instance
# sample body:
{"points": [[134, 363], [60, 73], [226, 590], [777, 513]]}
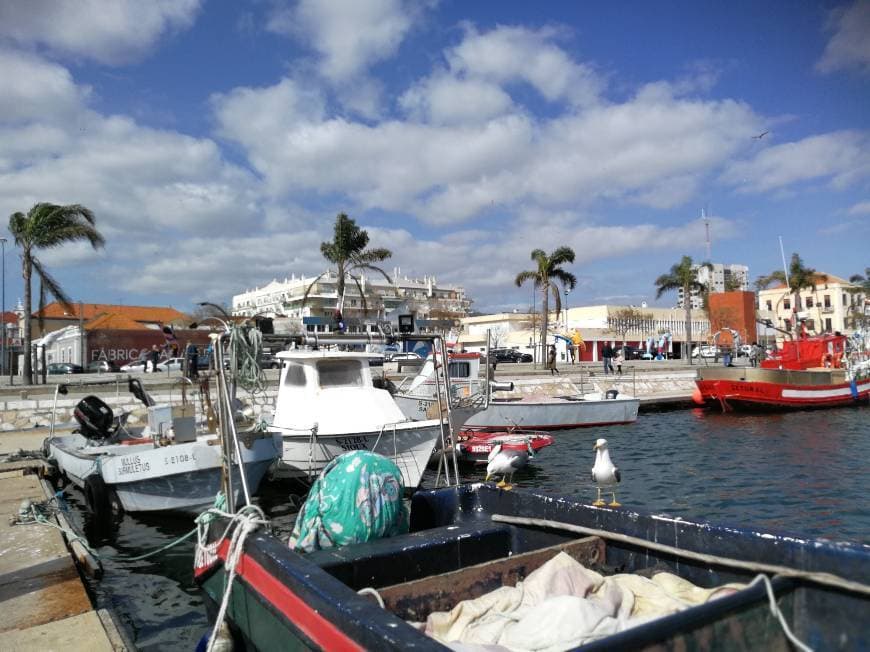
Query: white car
{"points": [[173, 364], [138, 365]]}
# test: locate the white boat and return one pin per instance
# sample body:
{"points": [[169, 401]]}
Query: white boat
{"points": [[326, 405], [536, 412], [151, 468]]}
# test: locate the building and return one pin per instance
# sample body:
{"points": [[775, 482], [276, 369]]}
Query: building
{"points": [[717, 278], [431, 303], [640, 327], [733, 312], [55, 316], [10, 334], [831, 305]]}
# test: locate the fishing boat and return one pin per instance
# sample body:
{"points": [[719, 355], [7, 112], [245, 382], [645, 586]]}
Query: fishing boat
{"points": [[532, 412], [469, 541], [809, 372], [327, 405], [473, 446], [169, 464]]}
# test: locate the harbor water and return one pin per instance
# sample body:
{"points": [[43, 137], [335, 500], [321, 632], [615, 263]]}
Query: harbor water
{"points": [[800, 472]]}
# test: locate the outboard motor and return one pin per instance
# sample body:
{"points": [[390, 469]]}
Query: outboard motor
{"points": [[94, 417], [612, 393]]}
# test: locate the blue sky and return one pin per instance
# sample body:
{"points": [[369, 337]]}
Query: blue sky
{"points": [[216, 141]]}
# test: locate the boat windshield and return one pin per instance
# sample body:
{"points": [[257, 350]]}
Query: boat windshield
{"points": [[340, 373]]}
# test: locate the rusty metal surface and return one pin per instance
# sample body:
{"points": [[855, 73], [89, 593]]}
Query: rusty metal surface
{"points": [[417, 599]]}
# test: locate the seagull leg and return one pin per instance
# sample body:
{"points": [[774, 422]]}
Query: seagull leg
{"points": [[614, 503], [509, 484], [501, 483], [598, 502]]}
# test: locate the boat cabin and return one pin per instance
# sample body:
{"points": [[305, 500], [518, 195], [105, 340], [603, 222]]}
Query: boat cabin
{"points": [[333, 391], [827, 351]]}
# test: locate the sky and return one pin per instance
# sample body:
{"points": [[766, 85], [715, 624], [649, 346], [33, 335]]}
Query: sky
{"points": [[216, 141]]}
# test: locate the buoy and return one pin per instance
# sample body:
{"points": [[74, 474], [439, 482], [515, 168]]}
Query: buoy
{"points": [[697, 397]]}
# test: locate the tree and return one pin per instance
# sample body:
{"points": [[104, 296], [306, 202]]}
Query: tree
{"points": [[544, 278], [799, 277], [625, 320], [347, 251], [857, 317], [683, 276], [47, 226]]}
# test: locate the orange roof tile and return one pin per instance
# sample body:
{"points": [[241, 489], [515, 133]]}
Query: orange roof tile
{"points": [[148, 314], [114, 321]]}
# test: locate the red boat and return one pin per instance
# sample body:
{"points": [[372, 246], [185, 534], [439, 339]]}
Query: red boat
{"points": [[473, 446], [810, 372]]}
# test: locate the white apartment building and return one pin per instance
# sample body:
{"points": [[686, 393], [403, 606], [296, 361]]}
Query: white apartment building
{"points": [[720, 277], [425, 298], [828, 307]]}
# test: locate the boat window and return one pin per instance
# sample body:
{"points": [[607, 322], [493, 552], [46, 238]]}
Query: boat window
{"points": [[295, 375], [340, 373], [459, 369]]}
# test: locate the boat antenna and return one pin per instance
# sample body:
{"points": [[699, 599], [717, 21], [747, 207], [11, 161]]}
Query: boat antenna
{"points": [[707, 232]]}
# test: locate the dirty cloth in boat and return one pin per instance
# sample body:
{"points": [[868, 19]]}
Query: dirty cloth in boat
{"points": [[356, 498], [562, 605]]}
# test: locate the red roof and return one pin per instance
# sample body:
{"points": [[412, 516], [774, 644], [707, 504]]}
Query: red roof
{"points": [[90, 311]]}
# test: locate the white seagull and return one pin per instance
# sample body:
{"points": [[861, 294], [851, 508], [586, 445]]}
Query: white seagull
{"points": [[604, 472], [506, 463]]}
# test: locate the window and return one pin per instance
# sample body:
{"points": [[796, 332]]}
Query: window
{"points": [[770, 305], [788, 324], [295, 375], [828, 324], [827, 300], [845, 300], [786, 304], [809, 302], [340, 373], [459, 369]]}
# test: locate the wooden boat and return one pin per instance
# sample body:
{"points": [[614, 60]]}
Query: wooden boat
{"points": [[326, 405], [150, 469], [468, 540], [578, 410], [810, 372], [473, 446]]}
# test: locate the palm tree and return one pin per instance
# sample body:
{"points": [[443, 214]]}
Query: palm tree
{"points": [[347, 251], [858, 310], [544, 278], [47, 226], [683, 276], [799, 277]]}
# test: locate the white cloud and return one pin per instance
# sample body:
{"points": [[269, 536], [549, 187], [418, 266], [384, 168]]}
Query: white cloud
{"points": [[109, 31], [444, 99], [34, 89], [839, 158], [512, 54], [861, 208], [849, 46], [349, 35]]}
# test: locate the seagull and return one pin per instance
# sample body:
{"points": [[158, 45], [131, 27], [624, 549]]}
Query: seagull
{"points": [[506, 463], [761, 135], [604, 472]]}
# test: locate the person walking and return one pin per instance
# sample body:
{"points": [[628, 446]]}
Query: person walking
{"points": [[607, 354], [192, 361], [753, 354], [619, 359], [155, 356], [551, 360]]}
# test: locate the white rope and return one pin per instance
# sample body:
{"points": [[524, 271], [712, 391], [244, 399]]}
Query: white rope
{"points": [[774, 609], [246, 520], [370, 591]]}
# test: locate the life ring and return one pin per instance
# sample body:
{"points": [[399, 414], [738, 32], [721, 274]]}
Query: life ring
{"points": [[97, 495]]}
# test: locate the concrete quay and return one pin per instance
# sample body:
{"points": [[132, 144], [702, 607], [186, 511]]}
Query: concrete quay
{"points": [[45, 603]]}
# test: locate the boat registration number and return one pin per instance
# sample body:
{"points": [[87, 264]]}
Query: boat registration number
{"points": [[481, 449], [353, 443]]}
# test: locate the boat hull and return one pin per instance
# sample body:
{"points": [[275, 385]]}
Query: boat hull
{"points": [[408, 444], [182, 477], [774, 389], [280, 596]]}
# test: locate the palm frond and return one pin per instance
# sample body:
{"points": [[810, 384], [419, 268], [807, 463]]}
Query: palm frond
{"points": [[310, 287], [527, 275], [562, 255], [557, 297], [51, 285], [567, 279]]}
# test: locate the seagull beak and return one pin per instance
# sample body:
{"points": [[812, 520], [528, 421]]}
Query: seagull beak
{"points": [[595, 447], [487, 478]]}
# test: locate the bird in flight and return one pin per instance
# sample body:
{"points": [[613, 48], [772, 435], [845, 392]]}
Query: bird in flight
{"points": [[760, 136]]}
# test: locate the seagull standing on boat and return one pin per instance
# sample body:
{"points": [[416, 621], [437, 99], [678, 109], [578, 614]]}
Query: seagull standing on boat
{"points": [[604, 472], [505, 463]]}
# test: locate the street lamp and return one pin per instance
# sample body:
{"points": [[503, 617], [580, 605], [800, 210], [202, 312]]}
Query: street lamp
{"points": [[566, 308], [3, 242]]}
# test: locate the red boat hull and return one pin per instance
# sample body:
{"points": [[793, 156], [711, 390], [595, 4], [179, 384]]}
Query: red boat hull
{"points": [[756, 394], [475, 446]]}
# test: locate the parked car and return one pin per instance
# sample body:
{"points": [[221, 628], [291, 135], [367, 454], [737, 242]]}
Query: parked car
{"points": [[64, 368], [405, 355], [710, 352], [744, 350], [632, 353], [172, 364], [101, 366], [646, 355], [137, 365], [269, 361], [509, 355]]}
